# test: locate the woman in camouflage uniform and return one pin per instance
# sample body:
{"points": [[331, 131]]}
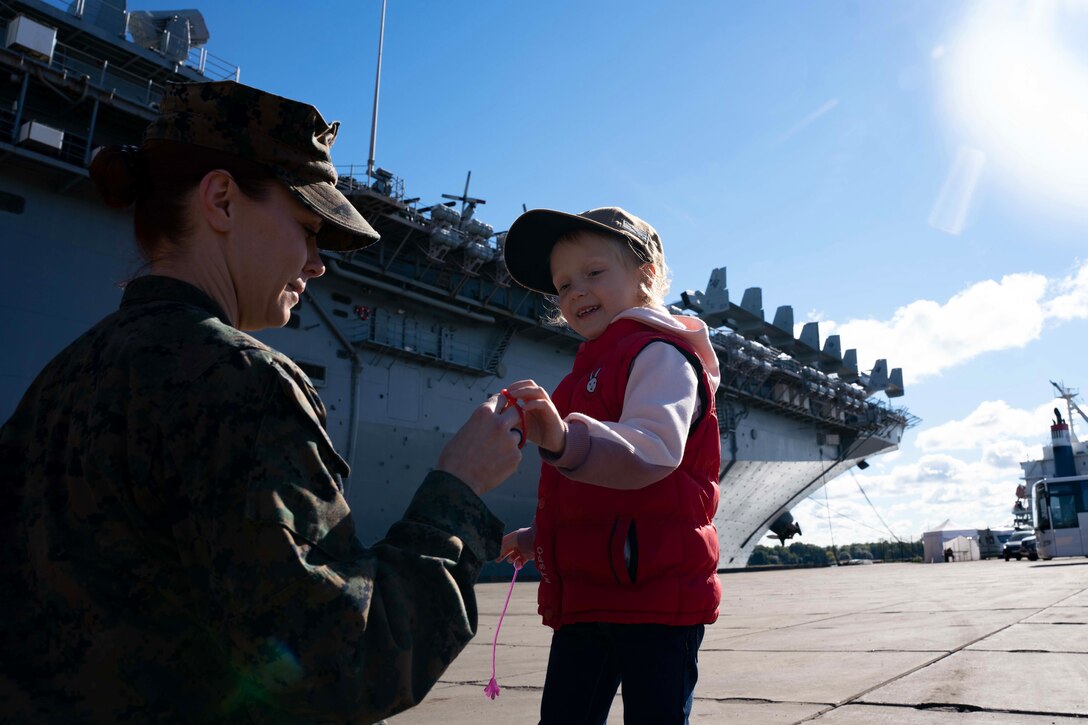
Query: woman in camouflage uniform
{"points": [[178, 543]]}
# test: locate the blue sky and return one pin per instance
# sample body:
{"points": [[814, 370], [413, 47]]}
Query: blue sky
{"points": [[913, 175]]}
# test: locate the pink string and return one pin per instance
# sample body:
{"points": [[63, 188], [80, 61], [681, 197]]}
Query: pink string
{"points": [[492, 689]]}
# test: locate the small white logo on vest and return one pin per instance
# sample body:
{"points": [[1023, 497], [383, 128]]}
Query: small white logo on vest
{"points": [[591, 384]]}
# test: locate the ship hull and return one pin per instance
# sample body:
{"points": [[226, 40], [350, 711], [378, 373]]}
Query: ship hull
{"points": [[396, 415]]}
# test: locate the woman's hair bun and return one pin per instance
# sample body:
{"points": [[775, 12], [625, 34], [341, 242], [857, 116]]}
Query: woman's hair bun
{"points": [[118, 174]]}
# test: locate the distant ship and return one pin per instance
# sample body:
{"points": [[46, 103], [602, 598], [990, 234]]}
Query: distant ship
{"points": [[1065, 455], [402, 339], [1046, 467]]}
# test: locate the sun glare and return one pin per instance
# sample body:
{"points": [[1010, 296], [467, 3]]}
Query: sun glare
{"points": [[1019, 92]]}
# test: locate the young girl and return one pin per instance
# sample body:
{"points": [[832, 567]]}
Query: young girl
{"points": [[623, 535]]}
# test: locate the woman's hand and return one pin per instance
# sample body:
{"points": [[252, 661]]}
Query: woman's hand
{"points": [[543, 425], [517, 546], [484, 452]]}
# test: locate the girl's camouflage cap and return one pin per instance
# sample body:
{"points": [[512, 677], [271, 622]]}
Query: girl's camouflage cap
{"points": [[528, 246], [289, 137]]}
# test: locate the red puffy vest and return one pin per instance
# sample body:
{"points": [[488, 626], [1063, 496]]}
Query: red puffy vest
{"points": [[582, 531]]}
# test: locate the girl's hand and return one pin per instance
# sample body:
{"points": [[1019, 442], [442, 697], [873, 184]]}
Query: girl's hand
{"points": [[542, 422], [517, 546]]}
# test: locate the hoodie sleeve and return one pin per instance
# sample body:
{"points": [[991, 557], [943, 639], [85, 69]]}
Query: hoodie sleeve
{"points": [[647, 443]]}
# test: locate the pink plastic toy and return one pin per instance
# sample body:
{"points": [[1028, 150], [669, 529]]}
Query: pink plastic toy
{"points": [[492, 689]]}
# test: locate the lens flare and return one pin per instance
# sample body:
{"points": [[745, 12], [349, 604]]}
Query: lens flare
{"points": [[1018, 90]]}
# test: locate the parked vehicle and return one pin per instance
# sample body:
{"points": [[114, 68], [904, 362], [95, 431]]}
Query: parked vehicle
{"points": [[1012, 547], [991, 543], [1029, 548], [1061, 508]]}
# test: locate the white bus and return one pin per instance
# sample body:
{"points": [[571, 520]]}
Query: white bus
{"points": [[1061, 516]]}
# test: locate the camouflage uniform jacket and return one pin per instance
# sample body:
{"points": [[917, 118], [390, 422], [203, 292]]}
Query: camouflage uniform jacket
{"points": [[179, 548]]}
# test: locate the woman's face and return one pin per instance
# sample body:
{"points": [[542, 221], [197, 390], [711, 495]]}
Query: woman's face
{"points": [[272, 257]]}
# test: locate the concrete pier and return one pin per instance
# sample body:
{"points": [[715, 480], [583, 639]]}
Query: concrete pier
{"points": [[963, 643]]}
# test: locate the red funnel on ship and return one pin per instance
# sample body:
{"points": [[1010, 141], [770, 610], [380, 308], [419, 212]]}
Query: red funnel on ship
{"points": [[1061, 445]]}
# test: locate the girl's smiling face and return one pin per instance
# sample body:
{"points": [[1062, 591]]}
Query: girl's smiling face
{"points": [[597, 277]]}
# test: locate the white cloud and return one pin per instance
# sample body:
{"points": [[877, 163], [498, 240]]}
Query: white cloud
{"points": [[966, 473], [926, 337], [1071, 302], [918, 498], [852, 521], [938, 469], [1008, 454], [992, 423], [887, 459], [913, 497]]}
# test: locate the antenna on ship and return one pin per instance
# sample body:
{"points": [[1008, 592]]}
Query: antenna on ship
{"points": [[377, 85], [173, 33], [468, 204], [1068, 394]]}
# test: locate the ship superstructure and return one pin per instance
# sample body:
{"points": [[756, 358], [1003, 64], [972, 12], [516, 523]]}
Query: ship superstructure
{"points": [[1063, 435], [402, 339]]}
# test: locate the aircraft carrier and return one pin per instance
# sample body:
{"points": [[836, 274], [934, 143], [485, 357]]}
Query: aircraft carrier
{"points": [[402, 339]]}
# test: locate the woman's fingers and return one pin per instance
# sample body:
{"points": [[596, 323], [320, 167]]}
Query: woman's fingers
{"points": [[483, 453], [526, 390]]}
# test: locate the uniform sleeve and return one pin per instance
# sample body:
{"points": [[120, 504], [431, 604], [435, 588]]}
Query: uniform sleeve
{"points": [[647, 443], [315, 625]]}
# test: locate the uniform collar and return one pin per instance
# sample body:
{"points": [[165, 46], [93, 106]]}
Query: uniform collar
{"points": [[154, 288]]}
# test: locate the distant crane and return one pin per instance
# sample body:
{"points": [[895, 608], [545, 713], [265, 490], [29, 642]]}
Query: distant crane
{"points": [[1067, 394]]}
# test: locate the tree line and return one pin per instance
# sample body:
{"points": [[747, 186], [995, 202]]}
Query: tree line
{"points": [[799, 554]]}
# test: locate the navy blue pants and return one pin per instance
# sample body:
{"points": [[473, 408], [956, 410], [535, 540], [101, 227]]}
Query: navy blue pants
{"points": [[657, 664]]}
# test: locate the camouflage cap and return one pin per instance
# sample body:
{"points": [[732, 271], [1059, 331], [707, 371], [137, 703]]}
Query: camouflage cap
{"points": [[289, 137], [528, 245]]}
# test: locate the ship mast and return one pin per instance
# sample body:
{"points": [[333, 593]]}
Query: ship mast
{"points": [[377, 85], [1068, 395]]}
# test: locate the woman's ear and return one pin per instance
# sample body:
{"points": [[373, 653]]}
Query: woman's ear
{"points": [[215, 199]]}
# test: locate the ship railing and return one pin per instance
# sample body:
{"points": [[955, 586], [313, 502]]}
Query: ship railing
{"points": [[7, 124], [780, 363], [212, 66], [79, 7], [199, 59], [773, 377], [126, 84], [355, 177], [887, 415], [72, 62], [395, 330], [1033, 471], [73, 148]]}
